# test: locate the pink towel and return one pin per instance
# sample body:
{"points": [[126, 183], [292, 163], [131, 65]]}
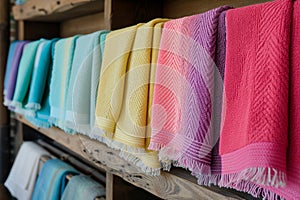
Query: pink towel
{"points": [[183, 107], [292, 189], [254, 136]]}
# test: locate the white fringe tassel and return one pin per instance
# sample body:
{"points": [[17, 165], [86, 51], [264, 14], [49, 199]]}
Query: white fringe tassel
{"points": [[137, 162], [260, 175], [33, 106]]}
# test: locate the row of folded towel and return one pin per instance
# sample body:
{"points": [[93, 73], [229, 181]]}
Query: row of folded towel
{"points": [[154, 91], [27, 182]]}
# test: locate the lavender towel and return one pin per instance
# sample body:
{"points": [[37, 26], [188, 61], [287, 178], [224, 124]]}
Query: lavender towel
{"points": [[10, 58], [11, 82], [216, 167]]}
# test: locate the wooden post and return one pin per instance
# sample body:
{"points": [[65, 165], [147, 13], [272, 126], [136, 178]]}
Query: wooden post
{"points": [[109, 185], [4, 114]]}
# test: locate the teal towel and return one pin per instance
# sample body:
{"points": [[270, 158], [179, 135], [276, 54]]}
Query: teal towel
{"points": [[62, 63], [10, 58], [84, 79], [82, 187], [24, 76], [52, 180], [38, 100]]}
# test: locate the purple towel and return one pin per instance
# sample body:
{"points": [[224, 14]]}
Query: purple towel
{"points": [[14, 72], [216, 167]]}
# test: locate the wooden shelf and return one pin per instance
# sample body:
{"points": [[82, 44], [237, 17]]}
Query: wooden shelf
{"points": [[167, 186], [56, 10]]}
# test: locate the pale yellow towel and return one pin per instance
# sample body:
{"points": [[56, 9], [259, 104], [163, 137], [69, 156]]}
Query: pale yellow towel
{"points": [[124, 95]]}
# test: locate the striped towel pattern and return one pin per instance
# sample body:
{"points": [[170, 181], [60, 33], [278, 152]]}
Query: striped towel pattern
{"points": [[183, 102]]}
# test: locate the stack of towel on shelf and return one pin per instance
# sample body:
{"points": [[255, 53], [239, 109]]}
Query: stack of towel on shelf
{"points": [[215, 93], [27, 181]]}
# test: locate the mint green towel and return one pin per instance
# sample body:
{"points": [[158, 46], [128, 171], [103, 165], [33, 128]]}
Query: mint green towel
{"points": [[84, 79], [38, 100], [62, 64], [24, 76]]}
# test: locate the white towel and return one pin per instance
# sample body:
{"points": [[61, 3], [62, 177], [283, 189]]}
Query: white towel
{"points": [[22, 177]]}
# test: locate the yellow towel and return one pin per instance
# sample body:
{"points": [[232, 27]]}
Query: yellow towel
{"points": [[124, 93]]}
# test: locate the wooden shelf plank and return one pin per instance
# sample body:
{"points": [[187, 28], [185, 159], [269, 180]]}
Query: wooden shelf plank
{"points": [[166, 186], [56, 10]]}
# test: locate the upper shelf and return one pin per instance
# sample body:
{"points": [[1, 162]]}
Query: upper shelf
{"points": [[56, 10]]}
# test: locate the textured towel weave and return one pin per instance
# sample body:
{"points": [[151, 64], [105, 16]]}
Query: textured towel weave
{"points": [[84, 79], [13, 72], [51, 182], [254, 134], [24, 77], [292, 189], [116, 53], [183, 96], [82, 187], [23, 174], [122, 108], [62, 64]]}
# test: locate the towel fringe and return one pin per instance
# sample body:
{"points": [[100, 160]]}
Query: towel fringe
{"points": [[15, 104], [208, 180], [169, 154], [33, 106], [260, 175], [166, 165], [40, 124], [61, 125], [254, 190], [137, 162], [7, 102], [30, 113], [124, 153], [106, 138], [155, 146], [79, 128]]}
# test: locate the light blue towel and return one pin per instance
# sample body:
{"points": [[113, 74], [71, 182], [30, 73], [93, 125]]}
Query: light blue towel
{"points": [[38, 100], [82, 187], [62, 64], [52, 180], [24, 76], [84, 79]]}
